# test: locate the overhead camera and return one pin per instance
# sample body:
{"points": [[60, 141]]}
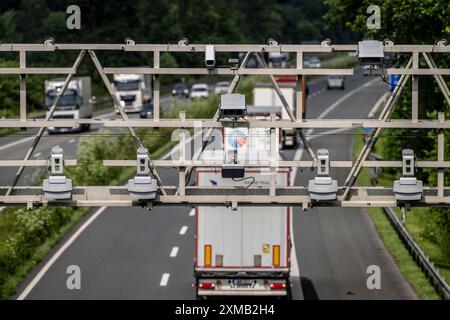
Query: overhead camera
{"points": [[49, 41], [272, 42], [442, 43], [370, 52], [210, 57], [323, 187], [408, 188], [129, 41], [142, 186], [326, 42], [232, 105], [183, 42], [57, 186]]}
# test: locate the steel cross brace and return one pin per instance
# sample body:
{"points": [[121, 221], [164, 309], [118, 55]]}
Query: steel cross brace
{"points": [[136, 139], [368, 146], [41, 130]]}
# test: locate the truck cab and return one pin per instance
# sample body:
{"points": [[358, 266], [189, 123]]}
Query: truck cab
{"points": [[74, 104], [132, 90]]}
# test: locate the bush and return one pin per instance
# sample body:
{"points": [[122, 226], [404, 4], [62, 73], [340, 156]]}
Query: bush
{"points": [[31, 229]]}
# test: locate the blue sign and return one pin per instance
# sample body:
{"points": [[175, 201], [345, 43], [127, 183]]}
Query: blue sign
{"points": [[393, 80]]}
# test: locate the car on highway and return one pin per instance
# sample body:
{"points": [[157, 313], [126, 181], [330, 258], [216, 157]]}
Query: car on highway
{"points": [[147, 110], [335, 82], [199, 91], [180, 90], [221, 87], [313, 62]]}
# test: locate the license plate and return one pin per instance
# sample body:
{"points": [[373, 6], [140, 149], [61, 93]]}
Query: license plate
{"points": [[242, 283]]}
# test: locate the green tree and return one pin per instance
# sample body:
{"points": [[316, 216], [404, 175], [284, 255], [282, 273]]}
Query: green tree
{"points": [[409, 22]]}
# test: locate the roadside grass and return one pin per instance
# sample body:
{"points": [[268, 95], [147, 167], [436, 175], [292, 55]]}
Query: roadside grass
{"points": [[406, 264], [11, 283], [8, 131], [341, 61]]}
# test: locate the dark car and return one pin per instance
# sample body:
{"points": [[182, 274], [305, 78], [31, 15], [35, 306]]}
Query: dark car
{"points": [[180, 90], [147, 110]]}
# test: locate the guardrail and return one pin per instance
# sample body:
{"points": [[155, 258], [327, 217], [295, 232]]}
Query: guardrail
{"points": [[419, 256], [432, 274]]}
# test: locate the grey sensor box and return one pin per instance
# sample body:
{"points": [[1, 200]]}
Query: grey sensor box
{"points": [[233, 171], [57, 187], [232, 105], [370, 52], [142, 188]]}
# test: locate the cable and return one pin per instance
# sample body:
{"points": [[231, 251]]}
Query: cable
{"points": [[243, 179], [392, 84]]}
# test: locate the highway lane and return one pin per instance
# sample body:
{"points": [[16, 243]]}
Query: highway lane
{"points": [[334, 246], [126, 252]]}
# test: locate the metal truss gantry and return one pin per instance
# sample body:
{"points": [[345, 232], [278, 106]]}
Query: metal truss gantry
{"points": [[347, 196]]}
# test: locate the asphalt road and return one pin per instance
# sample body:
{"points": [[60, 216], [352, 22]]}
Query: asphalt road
{"points": [[131, 253]]}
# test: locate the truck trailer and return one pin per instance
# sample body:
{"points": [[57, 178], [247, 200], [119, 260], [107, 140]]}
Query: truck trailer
{"points": [[132, 90], [74, 104], [265, 95], [245, 252]]}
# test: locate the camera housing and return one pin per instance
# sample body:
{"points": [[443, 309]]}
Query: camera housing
{"points": [[370, 52], [210, 56], [142, 186], [232, 105], [57, 186]]}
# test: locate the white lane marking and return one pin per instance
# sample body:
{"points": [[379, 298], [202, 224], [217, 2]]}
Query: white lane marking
{"points": [[183, 230], [37, 154], [174, 252], [345, 97], [60, 251], [164, 279], [377, 105], [15, 143], [72, 140], [192, 213]]}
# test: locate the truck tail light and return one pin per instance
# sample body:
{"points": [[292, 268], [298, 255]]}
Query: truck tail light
{"points": [[206, 286], [277, 286], [276, 256], [208, 255]]}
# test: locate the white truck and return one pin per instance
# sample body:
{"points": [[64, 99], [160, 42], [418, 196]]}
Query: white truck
{"points": [[74, 104], [132, 90], [244, 252], [264, 95]]}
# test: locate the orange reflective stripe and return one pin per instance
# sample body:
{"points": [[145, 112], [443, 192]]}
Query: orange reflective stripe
{"points": [[276, 256], [208, 255]]}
